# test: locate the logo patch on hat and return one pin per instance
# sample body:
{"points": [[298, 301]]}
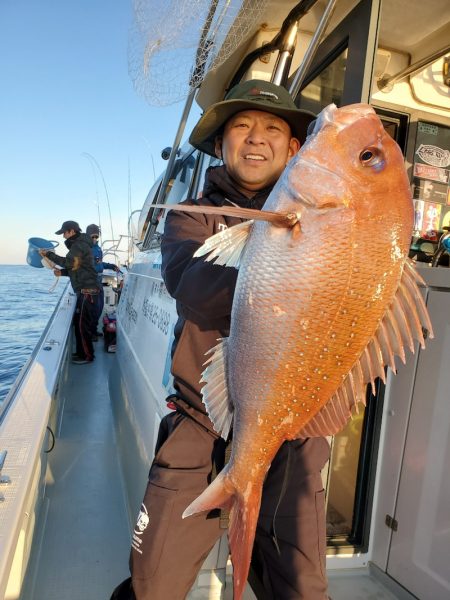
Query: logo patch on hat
{"points": [[257, 92]]}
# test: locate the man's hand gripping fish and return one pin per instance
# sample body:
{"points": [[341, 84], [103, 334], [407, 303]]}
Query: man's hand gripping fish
{"points": [[325, 298]]}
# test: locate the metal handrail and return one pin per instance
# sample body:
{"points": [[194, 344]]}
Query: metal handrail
{"points": [[385, 84], [285, 55], [312, 48], [3, 454], [299, 11], [4, 479]]}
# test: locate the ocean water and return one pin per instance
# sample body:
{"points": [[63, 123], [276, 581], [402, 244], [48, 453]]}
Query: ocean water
{"points": [[25, 308]]}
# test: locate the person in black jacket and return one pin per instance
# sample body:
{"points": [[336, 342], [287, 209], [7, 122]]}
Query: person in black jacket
{"points": [[255, 130], [78, 264]]}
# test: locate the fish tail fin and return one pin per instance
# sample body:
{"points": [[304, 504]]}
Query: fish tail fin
{"points": [[241, 535], [244, 513]]}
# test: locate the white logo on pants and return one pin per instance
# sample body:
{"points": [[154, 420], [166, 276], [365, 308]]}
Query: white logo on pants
{"points": [[141, 526]]}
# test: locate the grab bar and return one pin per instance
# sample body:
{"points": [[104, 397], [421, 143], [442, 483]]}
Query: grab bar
{"points": [[4, 479]]}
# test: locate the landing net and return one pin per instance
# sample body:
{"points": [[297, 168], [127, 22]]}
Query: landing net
{"points": [[173, 44]]}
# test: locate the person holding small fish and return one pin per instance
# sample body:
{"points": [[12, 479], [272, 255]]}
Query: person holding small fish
{"points": [[78, 265], [255, 131]]}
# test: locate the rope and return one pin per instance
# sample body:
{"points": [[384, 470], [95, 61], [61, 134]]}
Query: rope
{"points": [[282, 493], [53, 287]]}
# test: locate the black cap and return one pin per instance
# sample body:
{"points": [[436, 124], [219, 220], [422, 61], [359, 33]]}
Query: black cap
{"points": [[68, 226]]}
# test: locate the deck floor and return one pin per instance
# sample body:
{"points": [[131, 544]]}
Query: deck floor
{"points": [[82, 544], [351, 584]]}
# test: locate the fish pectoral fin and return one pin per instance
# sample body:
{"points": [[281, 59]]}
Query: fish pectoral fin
{"points": [[405, 321], [227, 247], [215, 391]]}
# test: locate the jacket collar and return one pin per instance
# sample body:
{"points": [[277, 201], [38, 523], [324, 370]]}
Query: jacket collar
{"points": [[70, 241], [219, 187]]}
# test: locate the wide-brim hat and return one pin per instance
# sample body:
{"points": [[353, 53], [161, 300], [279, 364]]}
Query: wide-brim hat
{"points": [[254, 94]]}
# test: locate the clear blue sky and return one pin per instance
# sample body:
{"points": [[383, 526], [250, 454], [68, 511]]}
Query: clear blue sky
{"points": [[65, 92]]}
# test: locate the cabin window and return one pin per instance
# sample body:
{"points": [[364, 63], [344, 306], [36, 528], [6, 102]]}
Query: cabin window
{"points": [[431, 190], [180, 186], [178, 190], [430, 184], [327, 87], [143, 226], [208, 161], [351, 474]]}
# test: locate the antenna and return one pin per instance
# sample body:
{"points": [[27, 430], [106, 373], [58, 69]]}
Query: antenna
{"points": [[97, 201]]}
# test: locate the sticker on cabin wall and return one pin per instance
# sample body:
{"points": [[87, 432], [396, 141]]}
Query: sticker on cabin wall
{"points": [[428, 172], [431, 216], [428, 128], [433, 155], [431, 191], [141, 526]]}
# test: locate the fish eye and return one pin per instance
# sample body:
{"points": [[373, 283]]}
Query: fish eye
{"points": [[371, 157]]}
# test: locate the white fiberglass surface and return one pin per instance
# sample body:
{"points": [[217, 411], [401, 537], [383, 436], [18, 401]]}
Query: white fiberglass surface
{"points": [[420, 550]]}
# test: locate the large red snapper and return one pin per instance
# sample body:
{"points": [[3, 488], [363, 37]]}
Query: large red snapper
{"points": [[319, 309]]}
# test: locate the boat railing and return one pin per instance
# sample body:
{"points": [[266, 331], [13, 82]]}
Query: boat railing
{"points": [[24, 423], [25, 369]]}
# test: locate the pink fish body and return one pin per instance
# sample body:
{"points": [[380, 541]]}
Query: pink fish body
{"points": [[319, 308]]}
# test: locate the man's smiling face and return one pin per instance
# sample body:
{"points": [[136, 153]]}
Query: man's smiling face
{"points": [[255, 147]]}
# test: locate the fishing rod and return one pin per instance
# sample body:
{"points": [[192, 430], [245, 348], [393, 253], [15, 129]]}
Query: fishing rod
{"points": [[94, 161]]}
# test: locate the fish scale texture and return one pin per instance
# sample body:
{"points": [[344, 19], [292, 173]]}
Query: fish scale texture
{"points": [[306, 306]]}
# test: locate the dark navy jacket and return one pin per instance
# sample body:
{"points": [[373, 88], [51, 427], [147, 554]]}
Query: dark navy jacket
{"points": [[203, 291]]}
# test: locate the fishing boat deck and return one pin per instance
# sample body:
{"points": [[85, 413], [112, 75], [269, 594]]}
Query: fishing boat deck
{"points": [[82, 543], [346, 584]]}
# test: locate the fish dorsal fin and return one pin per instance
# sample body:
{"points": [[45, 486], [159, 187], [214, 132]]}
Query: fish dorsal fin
{"points": [[279, 219], [215, 391], [405, 320], [226, 247]]}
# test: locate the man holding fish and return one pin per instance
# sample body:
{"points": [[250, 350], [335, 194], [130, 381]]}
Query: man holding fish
{"points": [[256, 130]]}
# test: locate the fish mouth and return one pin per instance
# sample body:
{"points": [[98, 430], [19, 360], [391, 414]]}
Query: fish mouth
{"points": [[324, 206], [311, 201]]}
